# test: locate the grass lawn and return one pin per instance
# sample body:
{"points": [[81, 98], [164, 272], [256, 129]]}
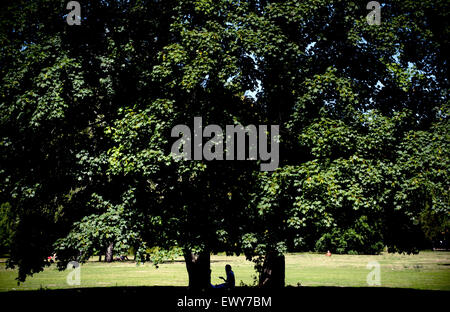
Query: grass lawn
{"points": [[427, 270]]}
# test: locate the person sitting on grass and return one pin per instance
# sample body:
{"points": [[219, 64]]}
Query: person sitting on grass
{"points": [[229, 281]]}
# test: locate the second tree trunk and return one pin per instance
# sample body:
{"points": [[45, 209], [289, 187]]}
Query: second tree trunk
{"points": [[272, 274]]}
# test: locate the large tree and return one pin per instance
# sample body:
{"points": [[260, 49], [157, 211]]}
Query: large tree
{"points": [[87, 113], [351, 98], [62, 87]]}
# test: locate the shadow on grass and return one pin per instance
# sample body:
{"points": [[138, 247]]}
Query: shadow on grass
{"points": [[150, 262], [168, 298]]}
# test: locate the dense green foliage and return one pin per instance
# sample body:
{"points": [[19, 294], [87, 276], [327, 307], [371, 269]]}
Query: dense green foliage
{"points": [[86, 114], [365, 112], [6, 228]]}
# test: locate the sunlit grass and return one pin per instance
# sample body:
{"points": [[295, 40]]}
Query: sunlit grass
{"points": [[428, 270]]}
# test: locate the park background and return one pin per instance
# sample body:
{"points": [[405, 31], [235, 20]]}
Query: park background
{"points": [[86, 113]]}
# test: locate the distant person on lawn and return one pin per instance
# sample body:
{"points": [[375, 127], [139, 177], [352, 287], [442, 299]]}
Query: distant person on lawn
{"points": [[230, 281]]}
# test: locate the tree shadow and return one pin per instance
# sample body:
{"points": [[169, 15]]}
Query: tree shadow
{"points": [[169, 298]]}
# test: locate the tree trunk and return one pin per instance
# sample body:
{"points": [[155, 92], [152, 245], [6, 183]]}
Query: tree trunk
{"points": [[100, 258], [198, 267], [272, 274], [109, 252]]}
